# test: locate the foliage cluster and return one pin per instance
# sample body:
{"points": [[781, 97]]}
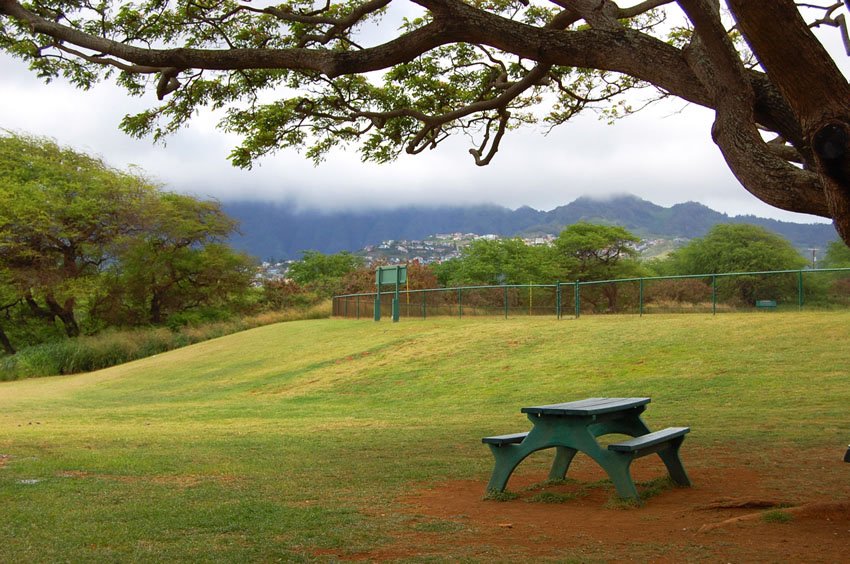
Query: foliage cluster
{"points": [[85, 247]]}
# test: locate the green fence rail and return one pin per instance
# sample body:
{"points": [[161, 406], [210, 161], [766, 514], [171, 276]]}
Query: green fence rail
{"points": [[703, 293]]}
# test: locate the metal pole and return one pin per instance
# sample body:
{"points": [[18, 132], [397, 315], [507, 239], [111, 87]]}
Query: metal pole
{"points": [[357, 304], [530, 297], [396, 300], [424, 307], [640, 296], [714, 295], [506, 302], [558, 299], [800, 289], [577, 299], [378, 297], [459, 302]]}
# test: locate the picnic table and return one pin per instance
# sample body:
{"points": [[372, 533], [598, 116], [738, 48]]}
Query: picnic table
{"points": [[574, 426]]}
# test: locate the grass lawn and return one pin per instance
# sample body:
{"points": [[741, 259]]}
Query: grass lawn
{"points": [[295, 441]]}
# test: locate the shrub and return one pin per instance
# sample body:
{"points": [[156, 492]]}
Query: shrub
{"points": [[85, 354]]}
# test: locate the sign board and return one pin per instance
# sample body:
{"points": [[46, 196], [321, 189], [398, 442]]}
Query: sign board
{"points": [[391, 275], [396, 275]]}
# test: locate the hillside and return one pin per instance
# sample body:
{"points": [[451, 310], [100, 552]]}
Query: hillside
{"points": [[280, 231]]}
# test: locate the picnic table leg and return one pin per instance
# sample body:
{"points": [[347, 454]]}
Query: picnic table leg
{"points": [[563, 458], [618, 471], [673, 462], [507, 458], [617, 467]]}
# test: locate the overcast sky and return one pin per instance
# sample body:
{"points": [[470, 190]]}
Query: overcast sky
{"points": [[663, 154]]}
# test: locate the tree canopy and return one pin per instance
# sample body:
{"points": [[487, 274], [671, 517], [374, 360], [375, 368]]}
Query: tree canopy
{"points": [[76, 234], [499, 261], [303, 74], [737, 248]]}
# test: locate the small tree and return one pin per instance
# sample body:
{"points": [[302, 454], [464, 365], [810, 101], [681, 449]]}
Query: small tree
{"points": [[587, 251], [498, 261], [176, 262], [323, 273]]}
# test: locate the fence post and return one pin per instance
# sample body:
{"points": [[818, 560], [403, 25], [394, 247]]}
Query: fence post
{"points": [[714, 295], [396, 302], [459, 302], [424, 306], [506, 302], [800, 290], [558, 299], [378, 296], [640, 297], [357, 305], [577, 299]]}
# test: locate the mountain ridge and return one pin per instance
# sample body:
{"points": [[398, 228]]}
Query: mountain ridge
{"points": [[280, 231]]}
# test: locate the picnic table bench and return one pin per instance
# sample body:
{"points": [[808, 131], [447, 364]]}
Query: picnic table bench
{"points": [[574, 426], [766, 304]]}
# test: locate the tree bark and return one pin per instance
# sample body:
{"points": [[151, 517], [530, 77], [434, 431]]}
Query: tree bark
{"points": [[156, 308], [4, 341], [814, 87], [65, 314]]}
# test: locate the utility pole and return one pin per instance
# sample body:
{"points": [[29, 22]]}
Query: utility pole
{"points": [[814, 258]]}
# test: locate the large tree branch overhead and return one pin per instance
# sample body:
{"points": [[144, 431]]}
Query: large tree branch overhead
{"points": [[301, 74]]}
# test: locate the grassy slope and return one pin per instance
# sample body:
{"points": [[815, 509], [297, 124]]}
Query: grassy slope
{"points": [[276, 442]]}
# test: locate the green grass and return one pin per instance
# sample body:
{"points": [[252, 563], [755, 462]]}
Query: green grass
{"points": [[114, 346], [292, 440], [777, 516]]}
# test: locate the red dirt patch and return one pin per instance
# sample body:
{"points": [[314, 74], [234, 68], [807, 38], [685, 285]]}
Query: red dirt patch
{"points": [[722, 517]]}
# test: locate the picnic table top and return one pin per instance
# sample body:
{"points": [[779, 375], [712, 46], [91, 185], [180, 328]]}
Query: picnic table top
{"points": [[589, 406]]}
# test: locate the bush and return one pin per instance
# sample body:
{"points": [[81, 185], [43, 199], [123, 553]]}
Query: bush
{"points": [[682, 290], [86, 354]]}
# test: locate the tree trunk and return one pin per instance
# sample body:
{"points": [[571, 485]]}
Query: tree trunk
{"points": [[4, 341], [611, 293], [37, 310], [65, 314], [814, 87], [156, 309]]}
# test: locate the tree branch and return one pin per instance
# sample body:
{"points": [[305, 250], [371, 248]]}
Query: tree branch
{"points": [[767, 176]]}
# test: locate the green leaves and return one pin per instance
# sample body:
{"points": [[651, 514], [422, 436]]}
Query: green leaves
{"points": [[269, 68], [78, 235], [738, 248]]}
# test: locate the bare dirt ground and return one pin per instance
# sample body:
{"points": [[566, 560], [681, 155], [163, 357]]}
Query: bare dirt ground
{"points": [[771, 506]]}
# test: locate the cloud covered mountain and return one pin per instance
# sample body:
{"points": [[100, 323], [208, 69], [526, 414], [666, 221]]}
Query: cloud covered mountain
{"points": [[281, 232]]}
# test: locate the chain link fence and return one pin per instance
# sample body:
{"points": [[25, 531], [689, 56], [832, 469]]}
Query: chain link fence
{"points": [[787, 290]]}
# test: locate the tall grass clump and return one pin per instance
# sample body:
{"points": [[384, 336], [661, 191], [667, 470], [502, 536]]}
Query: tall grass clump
{"points": [[110, 348]]}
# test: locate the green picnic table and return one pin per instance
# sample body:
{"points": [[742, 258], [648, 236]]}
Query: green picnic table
{"points": [[574, 426]]}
